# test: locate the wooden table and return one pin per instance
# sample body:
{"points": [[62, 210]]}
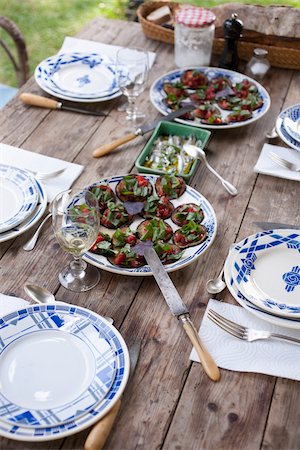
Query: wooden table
{"points": [[170, 403]]}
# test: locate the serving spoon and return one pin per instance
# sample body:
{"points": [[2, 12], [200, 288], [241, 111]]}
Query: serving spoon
{"points": [[198, 153]]}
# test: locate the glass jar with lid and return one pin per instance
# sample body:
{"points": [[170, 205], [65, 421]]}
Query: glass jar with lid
{"points": [[194, 35], [258, 65]]}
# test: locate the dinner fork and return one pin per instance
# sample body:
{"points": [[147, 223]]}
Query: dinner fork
{"points": [[47, 175], [244, 333], [284, 162]]}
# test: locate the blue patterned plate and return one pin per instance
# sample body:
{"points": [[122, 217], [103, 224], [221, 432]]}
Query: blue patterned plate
{"points": [[157, 95], [190, 254], [266, 271], [266, 315], [36, 215], [293, 113], [18, 194], [62, 367]]}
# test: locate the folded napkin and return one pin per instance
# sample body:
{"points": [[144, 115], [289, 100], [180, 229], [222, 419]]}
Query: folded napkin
{"points": [[9, 304], [71, 44], [270, 357], [266, 166], [24, 159]]}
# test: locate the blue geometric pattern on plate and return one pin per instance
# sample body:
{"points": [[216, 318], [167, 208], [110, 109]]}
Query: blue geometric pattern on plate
{"points": [[293, 112], [21, 182], [31, 220], [292, 278], [104, 84], [287, 238], [95, 333], [157, 96], [190, 254], [50, 432]]}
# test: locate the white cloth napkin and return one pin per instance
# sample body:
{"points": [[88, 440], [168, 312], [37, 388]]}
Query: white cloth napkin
{"points": [[24, 159], [265, 356], [266, 166], [71, 44], [9, 304]]}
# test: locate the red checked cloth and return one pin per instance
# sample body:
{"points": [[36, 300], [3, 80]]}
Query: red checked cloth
{"points": [[194, 17]]}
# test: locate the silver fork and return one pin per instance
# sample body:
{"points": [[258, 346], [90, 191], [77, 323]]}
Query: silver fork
{"points": [[244, 333], [47, 175], [284, 162]]}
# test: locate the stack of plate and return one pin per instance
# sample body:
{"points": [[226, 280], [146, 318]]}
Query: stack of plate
{"points": [[262, 272], [62, 367], [22, 201], [79, 77], [288, 126]]}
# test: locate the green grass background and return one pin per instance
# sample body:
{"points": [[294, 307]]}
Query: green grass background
{"points": [[45, 23]]}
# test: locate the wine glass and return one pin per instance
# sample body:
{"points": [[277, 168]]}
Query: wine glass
{"points": [[132, 73], [75, 222]]}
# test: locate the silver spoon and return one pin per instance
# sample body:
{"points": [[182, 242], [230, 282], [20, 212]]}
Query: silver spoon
{"points": [[32, 241], [272, 134], [216, 285], [41, 295], [198, 153]]}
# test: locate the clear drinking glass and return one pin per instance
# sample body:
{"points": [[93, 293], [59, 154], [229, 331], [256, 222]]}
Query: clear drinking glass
{"points": [[75, 222], [132, 69]]}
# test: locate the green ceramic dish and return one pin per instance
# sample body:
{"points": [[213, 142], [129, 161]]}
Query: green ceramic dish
{"points": [[174, 129]]}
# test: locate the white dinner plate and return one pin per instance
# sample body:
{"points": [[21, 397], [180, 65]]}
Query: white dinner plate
{"points": [[190, 254], [292, 112], [158, 95], [268, 316], [18, 196], [267, 272], [31, 219], [62, 367]]}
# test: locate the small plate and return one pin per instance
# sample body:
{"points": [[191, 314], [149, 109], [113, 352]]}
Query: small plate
{"points": [[267, 272], [262, 314], [157, 95], [292, 112], [19, 196], [30, 220], [190, 254], [76, 359]]}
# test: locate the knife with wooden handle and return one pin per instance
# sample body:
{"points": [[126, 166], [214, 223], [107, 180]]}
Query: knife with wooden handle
{"points": [[106, 148], [100, 432]]}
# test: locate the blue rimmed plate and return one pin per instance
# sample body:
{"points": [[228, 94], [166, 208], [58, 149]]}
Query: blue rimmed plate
{"points": [[36, 215], [19, 196], [293, 113], [77, 367], [269, 315], [266, 271], [158, 96], [190, 254]]}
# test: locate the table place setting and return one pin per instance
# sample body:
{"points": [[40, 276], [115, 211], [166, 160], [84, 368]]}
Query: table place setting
{"points": [[270, 356], [268, 165]]}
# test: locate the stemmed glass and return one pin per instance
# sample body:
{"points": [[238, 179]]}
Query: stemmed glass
{"points": [[132, 70], [75, 222]]}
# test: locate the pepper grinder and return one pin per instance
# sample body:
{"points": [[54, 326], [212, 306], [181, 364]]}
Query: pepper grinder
{"points": [[233, 28]]}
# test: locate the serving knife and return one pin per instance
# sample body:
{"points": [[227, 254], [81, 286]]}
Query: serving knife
{"points": [[100, 432], [276, 225], [106, 148], [44, 102], [179, 310]]}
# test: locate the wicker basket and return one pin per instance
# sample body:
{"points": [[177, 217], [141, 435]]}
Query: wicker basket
{"points": [[279, 55]]}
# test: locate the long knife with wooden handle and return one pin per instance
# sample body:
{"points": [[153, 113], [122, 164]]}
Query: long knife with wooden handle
{"points": [[178, 308], [100, 432], [106, 148], [44, 102]]}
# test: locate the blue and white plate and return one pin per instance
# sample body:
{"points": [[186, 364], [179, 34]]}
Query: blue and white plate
{"points": [[157, 95], [18, 196], [80, 77], [190, 254], [267, 272], [269, 315], [62, 367], [293, 113], [31, 219]]}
